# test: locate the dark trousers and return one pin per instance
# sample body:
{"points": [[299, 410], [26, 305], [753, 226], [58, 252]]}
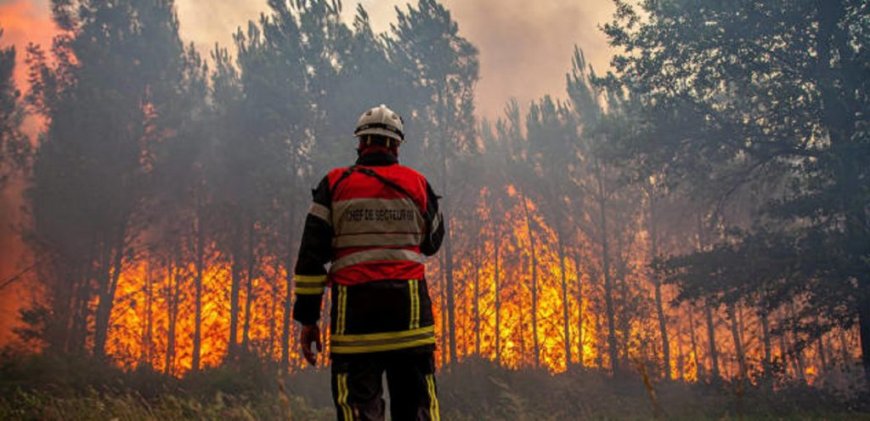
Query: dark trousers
{"points": [[358, 394]]}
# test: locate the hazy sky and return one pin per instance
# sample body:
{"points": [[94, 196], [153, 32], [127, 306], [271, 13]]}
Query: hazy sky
{"points": [[525, 51]]}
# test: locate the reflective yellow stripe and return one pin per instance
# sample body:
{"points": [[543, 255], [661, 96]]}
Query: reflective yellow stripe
{"points": [[309, 284], [376, 255], [342, 309], [383, 335], [413, 290], [384, 341], [309, 291], [310, 279], [434, 410], [342, 397], [359, 349]]}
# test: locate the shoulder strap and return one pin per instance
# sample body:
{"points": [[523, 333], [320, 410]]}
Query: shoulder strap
{"points": [[347, 172], [371, 173]]}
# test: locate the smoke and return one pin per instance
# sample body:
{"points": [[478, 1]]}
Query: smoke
{"points": [[23, 22], [14, 258], [525, 49]]}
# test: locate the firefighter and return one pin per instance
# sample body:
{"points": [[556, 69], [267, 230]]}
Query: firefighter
{"points": [[374, 222]]}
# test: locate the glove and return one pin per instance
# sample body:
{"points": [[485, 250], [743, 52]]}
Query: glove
{"points": [[309, 334]]}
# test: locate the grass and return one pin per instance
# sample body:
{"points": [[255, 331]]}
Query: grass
{"points": [[44, 388]]}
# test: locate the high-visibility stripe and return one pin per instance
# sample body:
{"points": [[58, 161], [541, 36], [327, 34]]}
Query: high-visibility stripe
{"points": [[321, 212], [378, 239], [413, 291], [434, 410], [376, 255], [384, 341], [309, 284], [342, 311], [361, 337], [310, 279], [359, 349], [343, 392], [309, 291]]}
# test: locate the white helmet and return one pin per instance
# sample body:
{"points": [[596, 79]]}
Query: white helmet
{"points": [[381, 121]]}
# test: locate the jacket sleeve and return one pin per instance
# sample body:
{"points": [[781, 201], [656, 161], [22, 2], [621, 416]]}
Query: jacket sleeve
{"points": [[314, 252], [434, 224]]}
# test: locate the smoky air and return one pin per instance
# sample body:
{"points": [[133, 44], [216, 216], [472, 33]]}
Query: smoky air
{"points": [[650, 209]]}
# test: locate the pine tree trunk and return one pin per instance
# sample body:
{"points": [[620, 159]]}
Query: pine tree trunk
{"points": [[450, 322], [235, 288], [680, 357], [738, 343], [694, 342], [534, 287], [288, 297], [249, 285], [197, 299], [580, 332], [839, 115], [657, 284], [800, 364], [823, 358], [76, 333], [145, 355], [274, 293], [864, 328], [110, 276], [445, 316], [497, 298], [566, 332], [476, 298], [451, 305], [172, 291], [608, 283], [599, 356], [768, 352], [711, 337], [845, 355], [624, 315]]}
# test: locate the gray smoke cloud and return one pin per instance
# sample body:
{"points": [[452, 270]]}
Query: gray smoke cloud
{"points": [[525, 47]]}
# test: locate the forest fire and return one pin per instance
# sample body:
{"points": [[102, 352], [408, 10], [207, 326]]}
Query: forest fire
{"points": [[678, 227], [153, 318]]}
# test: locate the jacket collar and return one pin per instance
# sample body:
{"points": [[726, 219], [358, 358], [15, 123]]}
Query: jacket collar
{"points": [[377, 159]]}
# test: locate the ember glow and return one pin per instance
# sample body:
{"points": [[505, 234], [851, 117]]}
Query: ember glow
{"points": [[153, 319], [164, 202]]}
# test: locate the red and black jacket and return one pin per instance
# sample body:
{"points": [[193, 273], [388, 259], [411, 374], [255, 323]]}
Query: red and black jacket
{"points": [[374, 222]]}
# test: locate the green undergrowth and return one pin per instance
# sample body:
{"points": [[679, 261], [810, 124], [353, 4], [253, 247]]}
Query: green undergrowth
{"points": [[34, 387]]}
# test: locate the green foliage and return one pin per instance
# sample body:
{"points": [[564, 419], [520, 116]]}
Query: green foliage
{"points": [[14, 146], [108, 98], [757, 110]]}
